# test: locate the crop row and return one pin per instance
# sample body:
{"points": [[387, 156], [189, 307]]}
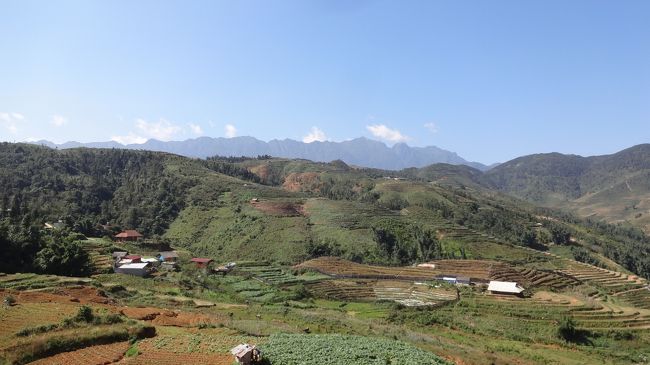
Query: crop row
{"points": [[290, 349]]}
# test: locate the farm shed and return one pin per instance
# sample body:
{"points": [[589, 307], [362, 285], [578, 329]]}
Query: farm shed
{"points": [[201, 262], [128, 235], [463, 280], [168, 256], [246, 354], [505, 287], [135, 268]]}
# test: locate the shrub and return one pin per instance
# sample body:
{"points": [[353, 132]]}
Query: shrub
{"points": [[9, 300], [85, 314]]}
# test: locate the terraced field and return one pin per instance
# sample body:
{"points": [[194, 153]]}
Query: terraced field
{"points": [[535, 311], [93, 355], [99, 252], [341, 268], [627, 288], [407, 293], [270, 275], [529, 277], [34, 281], [189, 346]]}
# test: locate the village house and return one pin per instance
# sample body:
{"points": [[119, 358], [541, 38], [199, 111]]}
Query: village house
{"points": [[505, 287], [141, 269], [133, 258], [201, 262], [128, 235]]}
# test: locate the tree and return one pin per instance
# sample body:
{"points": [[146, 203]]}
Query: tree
{"points": [[567, 329], [559, 234], [62, 256], [428, 245]]}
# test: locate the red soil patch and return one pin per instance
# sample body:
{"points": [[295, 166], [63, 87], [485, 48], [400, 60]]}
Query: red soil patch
{"points": [[184, 319], [81, 294], [93, 355], [260, 170], [306, 181], [161, 357], [278, 208], [144, 314], [163, 317]]}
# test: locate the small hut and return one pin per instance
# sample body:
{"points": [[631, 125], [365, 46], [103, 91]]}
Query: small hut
{"points": [[246, 354], [128, 235]]}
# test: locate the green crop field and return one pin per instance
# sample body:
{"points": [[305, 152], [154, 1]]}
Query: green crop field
{"points": [[340, 349]]}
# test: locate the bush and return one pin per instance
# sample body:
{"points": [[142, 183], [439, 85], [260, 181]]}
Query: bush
{"points": [[9, 300], [85, 314]]}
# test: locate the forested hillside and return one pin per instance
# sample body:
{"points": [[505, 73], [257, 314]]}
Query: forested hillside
{"points": [[290, 210], [613, 187]]}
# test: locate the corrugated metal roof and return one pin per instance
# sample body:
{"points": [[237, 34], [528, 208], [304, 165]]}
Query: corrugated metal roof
{"points": [[505, 287], [135, 265]]}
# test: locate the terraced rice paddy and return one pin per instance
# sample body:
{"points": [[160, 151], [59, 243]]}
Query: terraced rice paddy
{"points": [[341, 268], [535, 278], [592, 316], [406, 293], [270, 275], [627, 288]]}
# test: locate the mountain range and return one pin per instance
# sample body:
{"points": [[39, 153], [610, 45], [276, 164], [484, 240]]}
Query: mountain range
{"points": [[360, 151]]}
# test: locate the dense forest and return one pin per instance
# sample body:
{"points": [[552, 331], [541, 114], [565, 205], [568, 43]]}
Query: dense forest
{"points": [[83, 188]]}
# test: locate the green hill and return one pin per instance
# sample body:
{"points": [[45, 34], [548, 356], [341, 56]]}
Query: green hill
{"points": [[614, 187], [289, 210]]}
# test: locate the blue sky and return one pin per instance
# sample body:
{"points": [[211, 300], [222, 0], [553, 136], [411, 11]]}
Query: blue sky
{"points": [[491, 80]]}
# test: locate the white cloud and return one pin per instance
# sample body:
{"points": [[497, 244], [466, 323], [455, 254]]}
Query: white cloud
{"points": [[59, 120], [230, 130], [315, 135], [10, 121], [162, 130], [431, 127], [196, 129], [131, 138], [385, 133]]}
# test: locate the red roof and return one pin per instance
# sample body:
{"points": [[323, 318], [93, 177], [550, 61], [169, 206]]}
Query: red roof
{"points": [[132, 257], [201, 260], [129, 233]]}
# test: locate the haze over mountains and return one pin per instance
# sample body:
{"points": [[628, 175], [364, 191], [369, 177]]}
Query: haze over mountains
{"points": [[360, 151]]}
